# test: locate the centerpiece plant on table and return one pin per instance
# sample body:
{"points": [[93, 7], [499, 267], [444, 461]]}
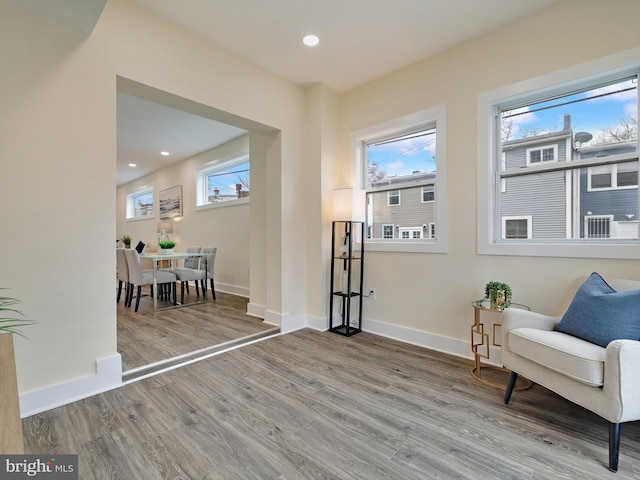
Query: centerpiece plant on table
{"points": [[166, 246]]}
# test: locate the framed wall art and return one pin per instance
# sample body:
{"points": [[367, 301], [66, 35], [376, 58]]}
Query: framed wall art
{"points": [[171, 202]]}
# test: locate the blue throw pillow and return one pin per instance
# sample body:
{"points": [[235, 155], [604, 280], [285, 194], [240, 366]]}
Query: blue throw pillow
{"points": [[600, 314]]}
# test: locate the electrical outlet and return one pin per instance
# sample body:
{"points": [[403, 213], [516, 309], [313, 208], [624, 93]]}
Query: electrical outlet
{"points": [[373, 293]]}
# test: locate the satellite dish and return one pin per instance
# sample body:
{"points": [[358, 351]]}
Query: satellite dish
{"points": [[582, 137]]}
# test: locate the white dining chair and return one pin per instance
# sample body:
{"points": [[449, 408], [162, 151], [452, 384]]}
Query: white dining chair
{"points": [[123, 275], [139, 278], [207, 263], [189, 272]]}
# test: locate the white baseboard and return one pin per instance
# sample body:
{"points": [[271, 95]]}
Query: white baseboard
{"points": [[232, 289], [439, 343], [109, 370], [256, 310], [451, 346], [317, 323], [108, 376], [286, 323]]}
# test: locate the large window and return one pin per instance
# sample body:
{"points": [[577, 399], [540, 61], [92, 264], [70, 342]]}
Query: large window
{"points": [[140, 204], [403, 166], [224, 182], [565, 166]]}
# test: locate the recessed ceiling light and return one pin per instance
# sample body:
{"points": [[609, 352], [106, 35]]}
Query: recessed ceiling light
{"points": [[311, 40], [164, 154], [132, 165]]}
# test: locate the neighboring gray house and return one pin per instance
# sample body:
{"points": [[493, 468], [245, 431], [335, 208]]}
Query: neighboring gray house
{"points": [[595, 202], [406, 213], [609, 194]]}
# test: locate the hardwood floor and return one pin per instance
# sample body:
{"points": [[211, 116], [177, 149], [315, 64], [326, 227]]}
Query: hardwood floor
{"points": [[311, 405], [146, 337]]}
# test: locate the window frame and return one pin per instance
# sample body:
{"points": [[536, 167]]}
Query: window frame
{"points": [[202, 184], [614, 180], [410, 231], [392, 230], [576, 77], [423, 190], [607, 217], [435, 116], [130, 204], [393, 193], [528, 218], [432, 230], [540, 149]]}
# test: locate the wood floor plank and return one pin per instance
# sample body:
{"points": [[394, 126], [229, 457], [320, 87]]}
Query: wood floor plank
{"points": [[311, 405], [145, 337]]}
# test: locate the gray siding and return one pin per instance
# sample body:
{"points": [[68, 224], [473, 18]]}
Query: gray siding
{"points": [[619, 202], [411, 213], [543, 197], [516, 156]]}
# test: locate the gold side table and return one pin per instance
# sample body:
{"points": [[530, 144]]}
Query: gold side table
{"points": [[481, 343]]}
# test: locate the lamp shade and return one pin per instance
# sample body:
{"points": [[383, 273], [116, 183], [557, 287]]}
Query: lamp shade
{"points": [[349, 204], [166, 226]]}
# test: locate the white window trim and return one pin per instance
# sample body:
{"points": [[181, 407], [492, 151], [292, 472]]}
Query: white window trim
{"points": [[410, 230], [528, 218], [545, 147], [614, 181], [129, 203], [432, 229], [433, 189], [591, 217], [393, 127], [587, 72], [393, 229], [201, 182], [389, 204]]}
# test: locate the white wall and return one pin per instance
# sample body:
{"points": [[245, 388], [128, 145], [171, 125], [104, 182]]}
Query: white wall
{"points": [[429, 295], [225, 227], [58, 150]]}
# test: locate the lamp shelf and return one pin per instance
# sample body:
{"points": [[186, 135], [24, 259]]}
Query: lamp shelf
{"points": [[347, 275], [352, 294]]}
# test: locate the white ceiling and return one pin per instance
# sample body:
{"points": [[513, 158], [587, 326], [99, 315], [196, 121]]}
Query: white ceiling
{"points": [[146, 128], [359, 40]]}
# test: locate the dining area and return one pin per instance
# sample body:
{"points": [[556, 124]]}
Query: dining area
{"points": [[154, 330], [168, 270]]}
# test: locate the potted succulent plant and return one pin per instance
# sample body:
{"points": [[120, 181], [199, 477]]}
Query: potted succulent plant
{"points": [[165, 247], [126, 239], [499, 295]]}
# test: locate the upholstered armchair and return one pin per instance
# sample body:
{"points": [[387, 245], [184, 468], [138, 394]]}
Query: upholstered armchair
{"points": [[598, 371]]}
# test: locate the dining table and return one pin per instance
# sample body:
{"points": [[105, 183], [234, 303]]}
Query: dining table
{"points": [[172, 257]]}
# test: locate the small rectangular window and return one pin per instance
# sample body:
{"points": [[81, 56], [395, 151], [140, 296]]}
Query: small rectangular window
{"points": [[517, 227], [428, 193], [540, 155], [140, 204], [393, 197], [227, 181], [387, 231], [598, 226]]}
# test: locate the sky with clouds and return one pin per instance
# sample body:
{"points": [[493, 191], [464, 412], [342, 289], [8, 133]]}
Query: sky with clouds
{"points": [[591, 111], [415, 152]]}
